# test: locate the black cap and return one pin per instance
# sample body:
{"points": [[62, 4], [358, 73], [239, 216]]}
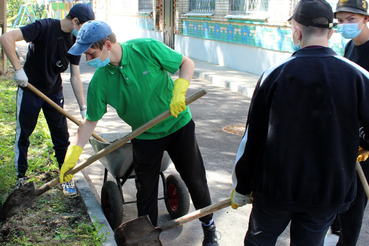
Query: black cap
{"points": [[308, 10], [352, 6], [83, 12]]}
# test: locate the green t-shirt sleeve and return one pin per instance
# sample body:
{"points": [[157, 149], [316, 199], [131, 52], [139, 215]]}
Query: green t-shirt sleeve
{"points": [[169, 59], [96, 107]]}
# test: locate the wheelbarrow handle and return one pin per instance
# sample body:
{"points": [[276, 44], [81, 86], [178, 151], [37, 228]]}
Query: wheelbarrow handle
{"points": [[125, 139], [60, 109]]}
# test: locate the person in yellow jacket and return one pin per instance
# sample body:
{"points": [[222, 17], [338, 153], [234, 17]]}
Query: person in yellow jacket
{"points": [[133, 78]]}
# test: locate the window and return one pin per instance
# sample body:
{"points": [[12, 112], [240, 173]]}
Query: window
{"points": [[202, 6], [145, 5], [246, 6]]}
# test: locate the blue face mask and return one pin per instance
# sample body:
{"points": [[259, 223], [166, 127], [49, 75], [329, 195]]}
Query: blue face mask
{"points": [[296, 47], [349, 30], [75, 32], [97, 61]]}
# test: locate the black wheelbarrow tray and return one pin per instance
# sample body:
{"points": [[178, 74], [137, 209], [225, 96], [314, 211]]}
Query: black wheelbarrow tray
{"points": [[119, 164]]}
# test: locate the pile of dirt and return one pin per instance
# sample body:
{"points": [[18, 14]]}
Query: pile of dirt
{"points": [[55, 219]]}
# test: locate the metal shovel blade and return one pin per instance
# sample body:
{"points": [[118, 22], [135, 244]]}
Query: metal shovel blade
{"points": [[137, 232], [141, 232], [19, 200]]}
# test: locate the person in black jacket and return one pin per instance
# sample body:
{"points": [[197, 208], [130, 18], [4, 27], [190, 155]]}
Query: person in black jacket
{"points": [[298, 155], [352, 17], [42, 69]]}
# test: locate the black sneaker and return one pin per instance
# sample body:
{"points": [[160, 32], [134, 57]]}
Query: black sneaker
{"points": [[210, 237]]}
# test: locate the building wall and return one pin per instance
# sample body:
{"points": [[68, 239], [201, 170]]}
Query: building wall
{"points": [[251, 42]]}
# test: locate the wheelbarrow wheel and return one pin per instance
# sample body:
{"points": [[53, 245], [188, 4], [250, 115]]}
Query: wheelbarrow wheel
{"points": [[112, 204], [177, 200]]}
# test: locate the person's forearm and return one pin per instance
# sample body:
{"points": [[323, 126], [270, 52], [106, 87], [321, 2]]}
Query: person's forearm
{"points": [[8, 42], [76, 82], [186, 69], [78, 91], [84, 132]]}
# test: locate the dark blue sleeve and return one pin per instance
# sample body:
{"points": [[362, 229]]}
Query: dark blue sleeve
{"points": [[75, 60], [31, 31]]}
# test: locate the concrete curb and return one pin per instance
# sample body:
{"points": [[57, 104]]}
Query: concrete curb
{"points": [[237, 81], [94, 209]]}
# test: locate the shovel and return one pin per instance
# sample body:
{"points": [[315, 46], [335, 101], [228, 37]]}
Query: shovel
{"points": [[361, 174], [60, 109], [141, 232], [26, 196]]}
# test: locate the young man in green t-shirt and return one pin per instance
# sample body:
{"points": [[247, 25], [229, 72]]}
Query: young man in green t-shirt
{"points": [[133, 78]]}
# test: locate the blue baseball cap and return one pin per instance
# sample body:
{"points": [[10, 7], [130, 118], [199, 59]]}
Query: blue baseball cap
{"points": [[83, 12], [90, 32]]}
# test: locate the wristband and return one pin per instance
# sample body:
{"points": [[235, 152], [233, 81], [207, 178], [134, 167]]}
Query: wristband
{"points": [[84, 107]]}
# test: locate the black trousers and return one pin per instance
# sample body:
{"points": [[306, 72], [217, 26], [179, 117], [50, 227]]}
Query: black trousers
{"points": [[183, 150], [348, 223], [28, 109], [267, 223]]}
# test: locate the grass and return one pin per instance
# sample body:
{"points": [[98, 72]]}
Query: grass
{"points": [[56, 219]]}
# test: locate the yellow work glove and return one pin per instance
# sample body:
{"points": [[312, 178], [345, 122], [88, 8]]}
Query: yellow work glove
{"points": [[71, 158], [361, 158], [239, 200], [178, 102]]}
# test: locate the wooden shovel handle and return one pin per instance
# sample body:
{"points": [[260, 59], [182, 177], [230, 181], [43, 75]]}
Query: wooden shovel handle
{"points": [[60, 109], [196, 214], [363, 180], [125, 139], [361, 174], [225, 203]]}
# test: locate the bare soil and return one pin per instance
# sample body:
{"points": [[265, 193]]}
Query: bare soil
{"points": [[54, 220]]}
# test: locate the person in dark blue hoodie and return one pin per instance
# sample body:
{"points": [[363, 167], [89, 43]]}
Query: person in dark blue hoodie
{"points": [[298, 155]]}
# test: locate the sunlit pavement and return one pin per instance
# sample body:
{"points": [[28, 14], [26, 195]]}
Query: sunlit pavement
{"points": [[226, 104]]}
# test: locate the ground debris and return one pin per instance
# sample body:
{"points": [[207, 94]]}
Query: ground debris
{"points": [[235, 129], [53, 212]]}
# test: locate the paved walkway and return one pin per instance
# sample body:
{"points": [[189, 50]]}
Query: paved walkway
{"points": [[89, 181], [231, 223]]}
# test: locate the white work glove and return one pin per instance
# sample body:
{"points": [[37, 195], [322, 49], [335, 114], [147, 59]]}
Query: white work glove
{"points": [[239, 200], [21, 78], [83, 111]]}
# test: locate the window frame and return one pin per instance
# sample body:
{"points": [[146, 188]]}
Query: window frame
{"points": [[199, 12], [146, 10]]}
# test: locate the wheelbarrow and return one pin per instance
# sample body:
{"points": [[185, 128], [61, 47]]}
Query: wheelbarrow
{"points": [[119, 164]]}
